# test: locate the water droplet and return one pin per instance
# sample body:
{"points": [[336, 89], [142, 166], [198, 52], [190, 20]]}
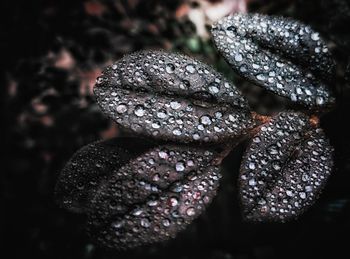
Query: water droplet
{"points": [[156, 177], [261, 77], [238, 57], [231, 28], [190, 163], [175, 105], [262, 202], [184, 84], [99, 80], [218, 115], [279, 85], [117, 224], [163, 154], [137, 212], [180, 166], [305, 177], [177, 132], [195, 136], [139, 111], [205, 120], [170, 68], [256, 140], [190, 211], [166, 223], [214, 87], [251, 166], [252, 182], [173, 201], [276, 165], [272, 150], [156, 125], [145, 223], [319, 100], [190, 68], [161, 114], [152, 203], [256, 66], [308, 188], [232, 118], [315, 36], [243, 68], [289, 193], [121, 108]]}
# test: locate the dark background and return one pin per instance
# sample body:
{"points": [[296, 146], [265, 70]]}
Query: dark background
{"points": [[51, 54]]}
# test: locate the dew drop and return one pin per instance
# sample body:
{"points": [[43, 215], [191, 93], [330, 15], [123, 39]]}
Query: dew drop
{"points": [[252, 182], [302, 195], [166, 223], [145, 223], [184, 84], [170, 68], [139, 111], [190, 211], [214, 88], [161, 114], [177, 132], [122, 108], [315, 36], [163, 154], [190, 68], [243, 68], [195, 136], [205, 120], [251, 166], [319, 100], [156, 125], [180, 166], [261, 77], [256, 140], [173, 201], [175, 105], [238, 57], [137, 212]]}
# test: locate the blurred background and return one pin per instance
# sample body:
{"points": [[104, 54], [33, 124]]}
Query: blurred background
{"points": [[52, 52]]}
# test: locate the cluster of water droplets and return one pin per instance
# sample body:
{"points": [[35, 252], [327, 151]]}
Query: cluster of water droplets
{"points": [[173, 97], [284, 168], [282, 55], [153, 197], [83, 173]]}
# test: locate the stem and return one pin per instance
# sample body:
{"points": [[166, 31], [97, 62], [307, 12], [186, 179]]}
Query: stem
{"points": [[218, 160]]}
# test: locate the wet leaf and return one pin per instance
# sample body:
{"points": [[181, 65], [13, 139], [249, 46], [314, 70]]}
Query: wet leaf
{"points": [[284, 169], [282, 55], [83, 173], [153, 197], [173, 97]]}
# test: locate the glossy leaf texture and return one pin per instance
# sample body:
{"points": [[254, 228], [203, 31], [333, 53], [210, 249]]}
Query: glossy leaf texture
{"points": [[280, 54], [81, 176], [153, 197], [172, 97], [284, 169]]}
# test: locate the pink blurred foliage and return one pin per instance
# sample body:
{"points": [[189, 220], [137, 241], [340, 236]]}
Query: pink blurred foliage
{"points": [[204, 12]]}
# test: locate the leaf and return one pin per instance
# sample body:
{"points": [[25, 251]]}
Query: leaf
{"points": [[91, 164], [172, 97], [284, 169], [280, 54], [153, 197]]}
